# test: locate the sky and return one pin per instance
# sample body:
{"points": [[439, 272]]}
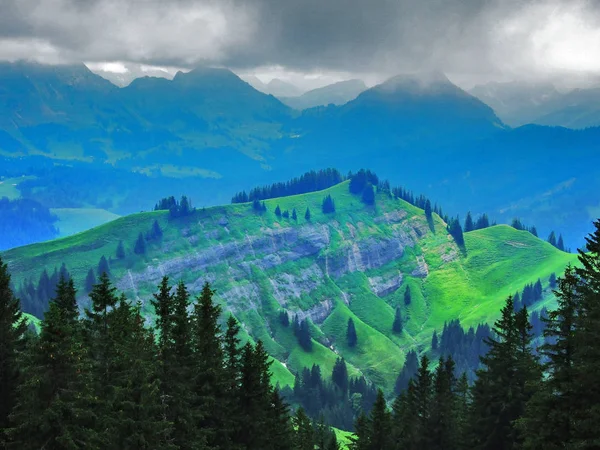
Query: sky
{"points": [[311, 42]]}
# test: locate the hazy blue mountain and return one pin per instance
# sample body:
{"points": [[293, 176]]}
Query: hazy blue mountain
{"points": [[517, 102], [280, 88], [579, 108], [336, 94], [520, 103], [208, 134]]}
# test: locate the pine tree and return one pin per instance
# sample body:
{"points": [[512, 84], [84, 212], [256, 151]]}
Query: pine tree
{"points": [[13, 327], [232, 372], [328, 205], [210, 383], [561, 243], [339, 375], [407, 296], [278, 211], [587, 337], [90, 281], [552, 280], [303, 335], [351, 336], [428, 212], [434, 341], [368, 195], [134, 419], [294, 215], [422, 399], [140, 245], [304, 431], [120, 253], [380, 425], [307, 215], [442, 427], [397, 325], [461, 414], [469, 225], [505, 384], [405, 419], [55, 407], [163, 304], [548, 418], [177, 385], [103, 267], [101, 342], [156, 231], [552, 238]]}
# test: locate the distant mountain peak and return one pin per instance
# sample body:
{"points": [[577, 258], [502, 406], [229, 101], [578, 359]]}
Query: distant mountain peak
{"points": [[417, 82]]}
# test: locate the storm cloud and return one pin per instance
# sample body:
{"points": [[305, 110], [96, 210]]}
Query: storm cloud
{"points": [[477, 37]]}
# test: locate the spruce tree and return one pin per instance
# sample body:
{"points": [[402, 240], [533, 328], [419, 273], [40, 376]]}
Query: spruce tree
{"points": [[587, 337], [101, 342], [103, 267], [469, 225], [13, 327], [407, 296], [434, 341], [560, 244], [294, 215], [428, 211], [304, 431], [90, 281], [422, 399], [177, 383], [140, 245], [156, 231], [55, 407], [549, 414], [405, 419], [307, 215], [368, 195], [442, 427], [210, 383], [380, 425], [120, 253], [163, 304], [135, 417], [397, 325], [505, 383], [351, 336], [278, 211], [552, 238]]}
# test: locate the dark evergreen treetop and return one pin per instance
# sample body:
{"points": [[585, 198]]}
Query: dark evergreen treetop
{"points": [[120, 252], [12, 331], [307, 215], [351, 336], [469, 225], [328, 205], [368, 195], [103, 267], [140, 245], [309, 182]]}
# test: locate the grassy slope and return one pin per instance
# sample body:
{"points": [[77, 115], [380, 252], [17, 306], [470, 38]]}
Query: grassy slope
{"points": [[472, 286]]}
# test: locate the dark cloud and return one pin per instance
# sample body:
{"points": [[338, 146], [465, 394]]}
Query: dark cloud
{"points": [[364, 36]]}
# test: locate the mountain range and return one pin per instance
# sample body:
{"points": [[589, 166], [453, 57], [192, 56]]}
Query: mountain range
{"points": [[521, 103], [82, 142]]}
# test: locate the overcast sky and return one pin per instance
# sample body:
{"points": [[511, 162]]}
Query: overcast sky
{"points": [[471, 40]]}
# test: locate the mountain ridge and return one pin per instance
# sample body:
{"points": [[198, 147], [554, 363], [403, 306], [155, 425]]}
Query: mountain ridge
{"points": [[354, 263]]}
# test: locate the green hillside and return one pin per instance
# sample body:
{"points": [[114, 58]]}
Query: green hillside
{"points": [[355, 263]]}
